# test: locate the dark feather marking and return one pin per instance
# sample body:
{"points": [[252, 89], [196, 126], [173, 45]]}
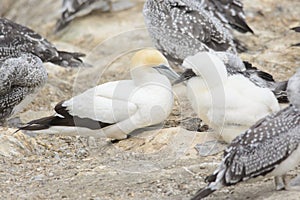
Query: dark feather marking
{"points": [[296, 29], [202, 193], [67, 120]]}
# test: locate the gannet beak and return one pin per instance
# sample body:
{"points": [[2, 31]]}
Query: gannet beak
{"points": [[186, 75], [167, 71]]}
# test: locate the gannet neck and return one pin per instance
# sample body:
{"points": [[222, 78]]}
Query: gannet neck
{"points": [[144, 75], [293, 89], [208, 67]]}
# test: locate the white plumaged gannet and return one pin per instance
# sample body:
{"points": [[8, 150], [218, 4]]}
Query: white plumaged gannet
{"points": [[115, 108], [20, 79], [228, 104], [270, 147], [16, 39]]}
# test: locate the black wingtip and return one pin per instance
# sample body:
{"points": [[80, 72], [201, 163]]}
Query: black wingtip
{"points": [[241, 26], [39, 124], [296, 29], [202, 193], [60, 25]]}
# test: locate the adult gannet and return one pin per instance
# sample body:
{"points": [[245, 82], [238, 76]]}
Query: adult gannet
{"points": [[15, 39], [116, 108], [20, 79], [75, 8], [228, 104], [270, 147]]}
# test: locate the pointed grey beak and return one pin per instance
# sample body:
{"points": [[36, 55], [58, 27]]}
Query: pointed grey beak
{"points": [[186, 75], [167, 71]]}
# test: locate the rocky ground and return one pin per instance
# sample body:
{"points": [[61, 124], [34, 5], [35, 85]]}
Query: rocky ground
{"points": [[154, 164]]}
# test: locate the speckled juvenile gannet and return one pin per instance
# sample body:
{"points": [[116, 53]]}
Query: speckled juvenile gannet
{"points": [[15, 39], [20, 79], [116, 108], [270, 147], [228, 104], [76, 8], [181, 28]]}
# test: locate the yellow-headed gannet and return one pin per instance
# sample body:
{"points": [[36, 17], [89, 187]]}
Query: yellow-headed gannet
{"points": [[116, 108]]}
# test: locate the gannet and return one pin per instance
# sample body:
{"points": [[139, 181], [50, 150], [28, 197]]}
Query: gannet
{"points": [[228, 104], [117, 108], [20, 80], [270, 147], [15, 39], [182, 28], [76, 8]]}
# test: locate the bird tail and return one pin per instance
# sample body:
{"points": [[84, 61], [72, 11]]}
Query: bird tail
{"points": [[202, 193], [61, 24], [68, 59], [216, 181], [280, 92], [241, 26], [240, 46]]}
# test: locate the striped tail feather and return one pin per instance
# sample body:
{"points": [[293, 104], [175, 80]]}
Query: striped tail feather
{"points": [[202, 193]]}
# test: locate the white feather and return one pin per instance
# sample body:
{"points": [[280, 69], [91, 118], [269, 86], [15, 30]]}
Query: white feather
{"points": [[230, 103]]}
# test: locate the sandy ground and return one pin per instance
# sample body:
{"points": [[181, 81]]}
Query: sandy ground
{"points": [[154, 164]]}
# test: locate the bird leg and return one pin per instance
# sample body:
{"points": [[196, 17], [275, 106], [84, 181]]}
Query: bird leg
{"points": [[280, 182], [110, 5]]}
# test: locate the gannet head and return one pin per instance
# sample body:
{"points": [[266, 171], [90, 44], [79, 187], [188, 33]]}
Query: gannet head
{"points": [[293, 89], [149, 59], [206, 66]]}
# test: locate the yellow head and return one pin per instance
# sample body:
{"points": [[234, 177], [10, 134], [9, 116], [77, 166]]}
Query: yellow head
{"points": [[148, 58]]}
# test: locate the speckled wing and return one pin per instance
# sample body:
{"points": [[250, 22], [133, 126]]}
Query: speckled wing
{"points": [[263, 147], [20, 79], [229, 12], [175, 24], [16, 39], [20, 38]]}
